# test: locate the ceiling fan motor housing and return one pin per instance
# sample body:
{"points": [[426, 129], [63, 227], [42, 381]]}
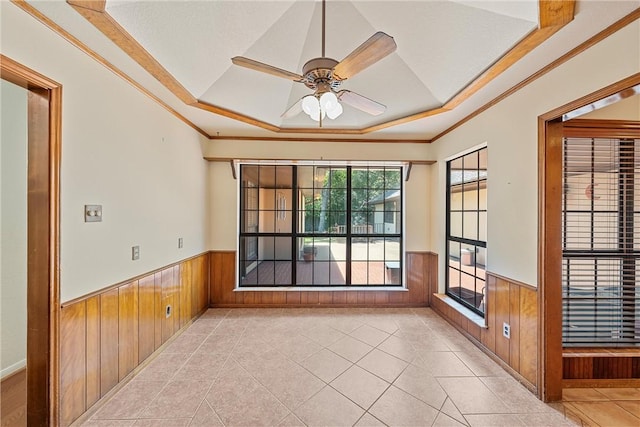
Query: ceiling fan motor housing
{"points": [[320, 70]]}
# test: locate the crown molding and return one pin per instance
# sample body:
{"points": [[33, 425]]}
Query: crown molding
{"points": [[328, 139], [613, 28], [554, 15], [22, 4]]}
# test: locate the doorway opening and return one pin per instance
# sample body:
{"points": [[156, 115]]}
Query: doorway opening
{"points": [[551, 133], [44, 108]]}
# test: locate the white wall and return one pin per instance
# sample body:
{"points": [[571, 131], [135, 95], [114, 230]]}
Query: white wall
{"points": [[119, 149], [223, 197], [13, 228], [418, 210], [510, 130]]}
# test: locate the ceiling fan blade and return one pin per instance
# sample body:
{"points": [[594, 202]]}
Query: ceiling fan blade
{"points": [[361, 102], [373, 50], [265, 68], [294, 110]]}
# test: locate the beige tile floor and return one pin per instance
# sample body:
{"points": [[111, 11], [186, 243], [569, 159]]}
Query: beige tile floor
{"points": [[334, 367]]}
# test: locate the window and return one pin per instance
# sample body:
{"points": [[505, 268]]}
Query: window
{"points": [[389, 212], [320, 225], [601, 242], [467, 229]]}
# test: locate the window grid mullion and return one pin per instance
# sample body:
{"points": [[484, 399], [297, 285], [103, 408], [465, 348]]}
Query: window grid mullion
{"points": [[367, 212], [348, 216], [469, 174]]}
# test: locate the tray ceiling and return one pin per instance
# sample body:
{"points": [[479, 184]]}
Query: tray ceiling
{"points": [[443, 47], [439, 50]]}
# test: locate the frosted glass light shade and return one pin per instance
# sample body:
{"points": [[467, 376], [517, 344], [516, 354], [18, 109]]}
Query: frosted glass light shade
{"points": [[309, 104], [328, 101], [335, 112], [326, 106], [315, 114]]}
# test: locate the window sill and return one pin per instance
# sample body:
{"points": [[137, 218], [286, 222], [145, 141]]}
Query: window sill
{"points": [[321, 288], [473, 317]]}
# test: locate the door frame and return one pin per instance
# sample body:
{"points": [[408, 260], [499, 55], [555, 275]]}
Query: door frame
{"points": [[44, 122], [550, 135]]}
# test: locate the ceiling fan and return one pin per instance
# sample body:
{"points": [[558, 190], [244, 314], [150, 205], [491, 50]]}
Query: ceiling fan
{"points": [[324, 75]]}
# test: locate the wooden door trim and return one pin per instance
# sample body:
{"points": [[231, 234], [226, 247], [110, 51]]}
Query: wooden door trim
{"points": [[44, 106], [550, 129], [588, 128]]}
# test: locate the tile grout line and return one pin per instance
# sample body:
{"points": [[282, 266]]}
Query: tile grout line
{"points": [[173, 376], [204, 400], [242, 323], [255, 379]]}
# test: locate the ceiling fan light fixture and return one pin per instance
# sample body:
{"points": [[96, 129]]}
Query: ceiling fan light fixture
{"points": [[328, 101], [315, 114], [326, 106], [310, 104], [335, 112], [324, 75], [332, 114]]}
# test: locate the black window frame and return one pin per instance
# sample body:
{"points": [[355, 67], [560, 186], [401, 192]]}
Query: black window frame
{"points": [[470, 300], [390, 209], [348, 236]]}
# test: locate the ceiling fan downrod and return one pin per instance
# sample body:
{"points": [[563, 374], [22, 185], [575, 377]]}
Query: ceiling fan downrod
{"points": [[324, 8]]}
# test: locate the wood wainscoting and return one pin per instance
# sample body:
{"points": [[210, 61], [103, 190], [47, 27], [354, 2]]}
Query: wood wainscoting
{"points": [[421, 274], [13, 399], [512, 302], [601, 367], [107, 334]]}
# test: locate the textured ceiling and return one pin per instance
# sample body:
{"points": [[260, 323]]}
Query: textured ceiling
{"points": [[442, 47]]}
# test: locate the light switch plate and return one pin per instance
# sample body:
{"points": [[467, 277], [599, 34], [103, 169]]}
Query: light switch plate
{"points": [[135, 253], [180, 242], [92, 213]]}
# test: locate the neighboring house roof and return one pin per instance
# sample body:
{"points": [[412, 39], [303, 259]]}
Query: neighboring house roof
{"points": [[387, 196], [459, 177]]}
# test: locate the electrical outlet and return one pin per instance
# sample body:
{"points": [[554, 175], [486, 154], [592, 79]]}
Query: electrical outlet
{"points": [[92, 213], [506, 330], [135, 253], [179, 242]]}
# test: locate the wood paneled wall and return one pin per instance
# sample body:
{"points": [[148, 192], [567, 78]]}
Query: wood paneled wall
{"points": [[600, 366], [509, 302], [13, 399], [108, 334], [421, 269]]}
